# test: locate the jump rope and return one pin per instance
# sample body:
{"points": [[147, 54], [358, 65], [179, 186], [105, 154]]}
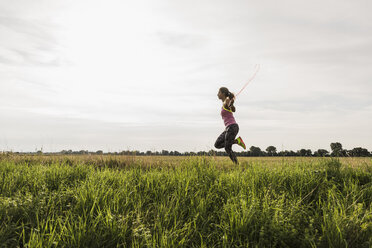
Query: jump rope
{"points": [[257, 68]]}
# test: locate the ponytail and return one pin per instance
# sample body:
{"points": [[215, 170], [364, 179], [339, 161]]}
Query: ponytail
{"points": [[232, 98]]}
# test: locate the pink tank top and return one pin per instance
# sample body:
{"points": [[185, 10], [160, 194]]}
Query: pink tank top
{"points": [[227, 117]]}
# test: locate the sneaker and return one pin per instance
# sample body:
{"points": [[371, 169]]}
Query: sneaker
{"points": [[241, 142]]}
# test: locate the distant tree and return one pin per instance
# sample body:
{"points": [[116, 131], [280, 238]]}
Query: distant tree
{"points": [[359, 152], [271, 150], [244, 153], [255, 151], [212, 152], [321, 153], [337, 149], [304, 153], [148, 153], [164, 153], [99, 152], [301, 152], [202, 153], [287, 153]]}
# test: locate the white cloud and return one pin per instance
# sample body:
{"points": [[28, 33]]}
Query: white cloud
{"points": [[145, 74]]}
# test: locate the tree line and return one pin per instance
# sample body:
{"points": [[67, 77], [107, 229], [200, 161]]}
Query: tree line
{"points": [[254, 151]]}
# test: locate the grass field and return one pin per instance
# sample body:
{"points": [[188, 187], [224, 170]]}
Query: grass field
{"points": [[131, 201]]}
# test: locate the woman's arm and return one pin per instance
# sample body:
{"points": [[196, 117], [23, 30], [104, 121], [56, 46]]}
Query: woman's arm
{"points": [[228, 104]]}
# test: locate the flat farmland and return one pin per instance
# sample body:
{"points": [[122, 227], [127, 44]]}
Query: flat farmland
{"points": [[197, 201]]}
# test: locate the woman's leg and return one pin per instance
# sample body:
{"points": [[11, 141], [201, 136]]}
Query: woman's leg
{"points": [[220, 142], [231, 133]]}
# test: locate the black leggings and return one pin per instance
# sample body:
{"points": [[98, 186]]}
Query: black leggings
{"points": [[226, 139]]}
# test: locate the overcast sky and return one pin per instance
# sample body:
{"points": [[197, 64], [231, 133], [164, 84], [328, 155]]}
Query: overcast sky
{"points": [[117, 75]]}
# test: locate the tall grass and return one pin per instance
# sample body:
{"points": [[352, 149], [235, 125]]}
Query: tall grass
{"points": [[198, 203]]}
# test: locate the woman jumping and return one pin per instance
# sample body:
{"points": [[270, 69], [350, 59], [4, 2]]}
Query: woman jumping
{"points": [[227, 138]]}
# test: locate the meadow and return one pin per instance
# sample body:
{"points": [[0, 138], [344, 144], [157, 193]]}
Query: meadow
{"points": [[140, 201]]}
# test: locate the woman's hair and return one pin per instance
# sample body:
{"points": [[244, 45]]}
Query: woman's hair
{"points": [[230, 95]]}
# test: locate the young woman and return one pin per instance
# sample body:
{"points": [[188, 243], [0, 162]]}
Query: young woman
{"points": [[227, 138]]}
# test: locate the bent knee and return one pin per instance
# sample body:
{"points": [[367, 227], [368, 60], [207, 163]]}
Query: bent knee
{"points": [[218, 145]]}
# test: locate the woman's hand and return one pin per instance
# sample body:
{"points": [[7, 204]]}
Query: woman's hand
{"points": [[227, 102]]}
